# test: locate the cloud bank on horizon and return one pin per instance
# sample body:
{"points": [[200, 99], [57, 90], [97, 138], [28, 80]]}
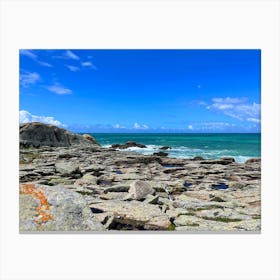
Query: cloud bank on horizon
{"points": [[142, 90]]}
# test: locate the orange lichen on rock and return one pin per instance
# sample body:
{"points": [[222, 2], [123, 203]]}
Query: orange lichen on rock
{"points": [[38, 194]]}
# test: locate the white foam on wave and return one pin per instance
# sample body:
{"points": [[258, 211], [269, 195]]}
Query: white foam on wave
{"points": [[185, 152], [106, 146], [241, 159]]}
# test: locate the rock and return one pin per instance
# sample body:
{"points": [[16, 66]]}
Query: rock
{"points": [[87, 179], [223, 161], [117, 188], [253, 160], [48, 208], [139, 190], [129, 144], [114, 196], [130, 176], [237, 185], [198, 158], [216, 199], [222, 215], [60, 181], [161, 154], [152, 199], [36, 134], [67, 168], [134, 215], [165, 148], [90, 138]]}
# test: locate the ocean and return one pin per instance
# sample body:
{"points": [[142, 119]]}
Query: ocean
{"points": [[241, 146]]}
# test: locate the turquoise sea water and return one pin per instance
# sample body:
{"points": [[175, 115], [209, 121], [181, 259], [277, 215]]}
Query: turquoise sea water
{"points": [[210, 146]]}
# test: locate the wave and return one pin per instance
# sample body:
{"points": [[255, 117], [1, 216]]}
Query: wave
{"points": [[187, 152]]}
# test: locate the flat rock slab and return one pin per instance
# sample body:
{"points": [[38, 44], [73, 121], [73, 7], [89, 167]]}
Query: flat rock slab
{"points": [[193, 223], [46, 208], [66, 168], [136, 214]]}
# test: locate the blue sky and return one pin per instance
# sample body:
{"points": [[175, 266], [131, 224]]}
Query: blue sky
{"points": [[142, 90]]}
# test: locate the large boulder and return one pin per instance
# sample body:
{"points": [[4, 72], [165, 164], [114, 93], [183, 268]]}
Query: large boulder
{"points": [[54, 208], [36, 134]]}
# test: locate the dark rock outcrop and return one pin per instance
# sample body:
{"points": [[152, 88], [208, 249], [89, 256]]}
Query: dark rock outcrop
{"points": [[129, 144], [161, 154], [36, 134], [165, 148]]}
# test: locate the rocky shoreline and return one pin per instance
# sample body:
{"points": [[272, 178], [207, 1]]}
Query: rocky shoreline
{"points": [[68, 182]]}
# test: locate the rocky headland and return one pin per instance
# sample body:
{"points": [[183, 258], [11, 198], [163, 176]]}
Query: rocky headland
{"points": [[68, 182]]}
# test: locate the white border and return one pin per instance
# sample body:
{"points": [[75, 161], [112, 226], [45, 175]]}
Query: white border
{"points": [[135, 24]]}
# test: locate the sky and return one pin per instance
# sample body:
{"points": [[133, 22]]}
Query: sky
{"points": [[185, 91]]}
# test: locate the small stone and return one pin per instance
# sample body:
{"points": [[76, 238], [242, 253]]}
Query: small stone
{"points": [[140, 189]]}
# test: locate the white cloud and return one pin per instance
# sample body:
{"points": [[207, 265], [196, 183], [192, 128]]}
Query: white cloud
{"points": [[73, 68], [190, 127], [71, 55], [136, 125], [88, 64], [139, 126], [34, 57], [254, 120], [237, 108], [28, 78], [59, 89], [229, 100], [28, 53], [117, 125], [25, 116], [197, 102], [214, 126], [44, 63]]}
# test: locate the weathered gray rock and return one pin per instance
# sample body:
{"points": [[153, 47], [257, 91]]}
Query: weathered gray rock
{"points": [[66, 168], [135, 214], [54, 209], [87, 179], [36, 134], [90, 138], [139, 190], [117, 188], [152, 199], [253, 160]]}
